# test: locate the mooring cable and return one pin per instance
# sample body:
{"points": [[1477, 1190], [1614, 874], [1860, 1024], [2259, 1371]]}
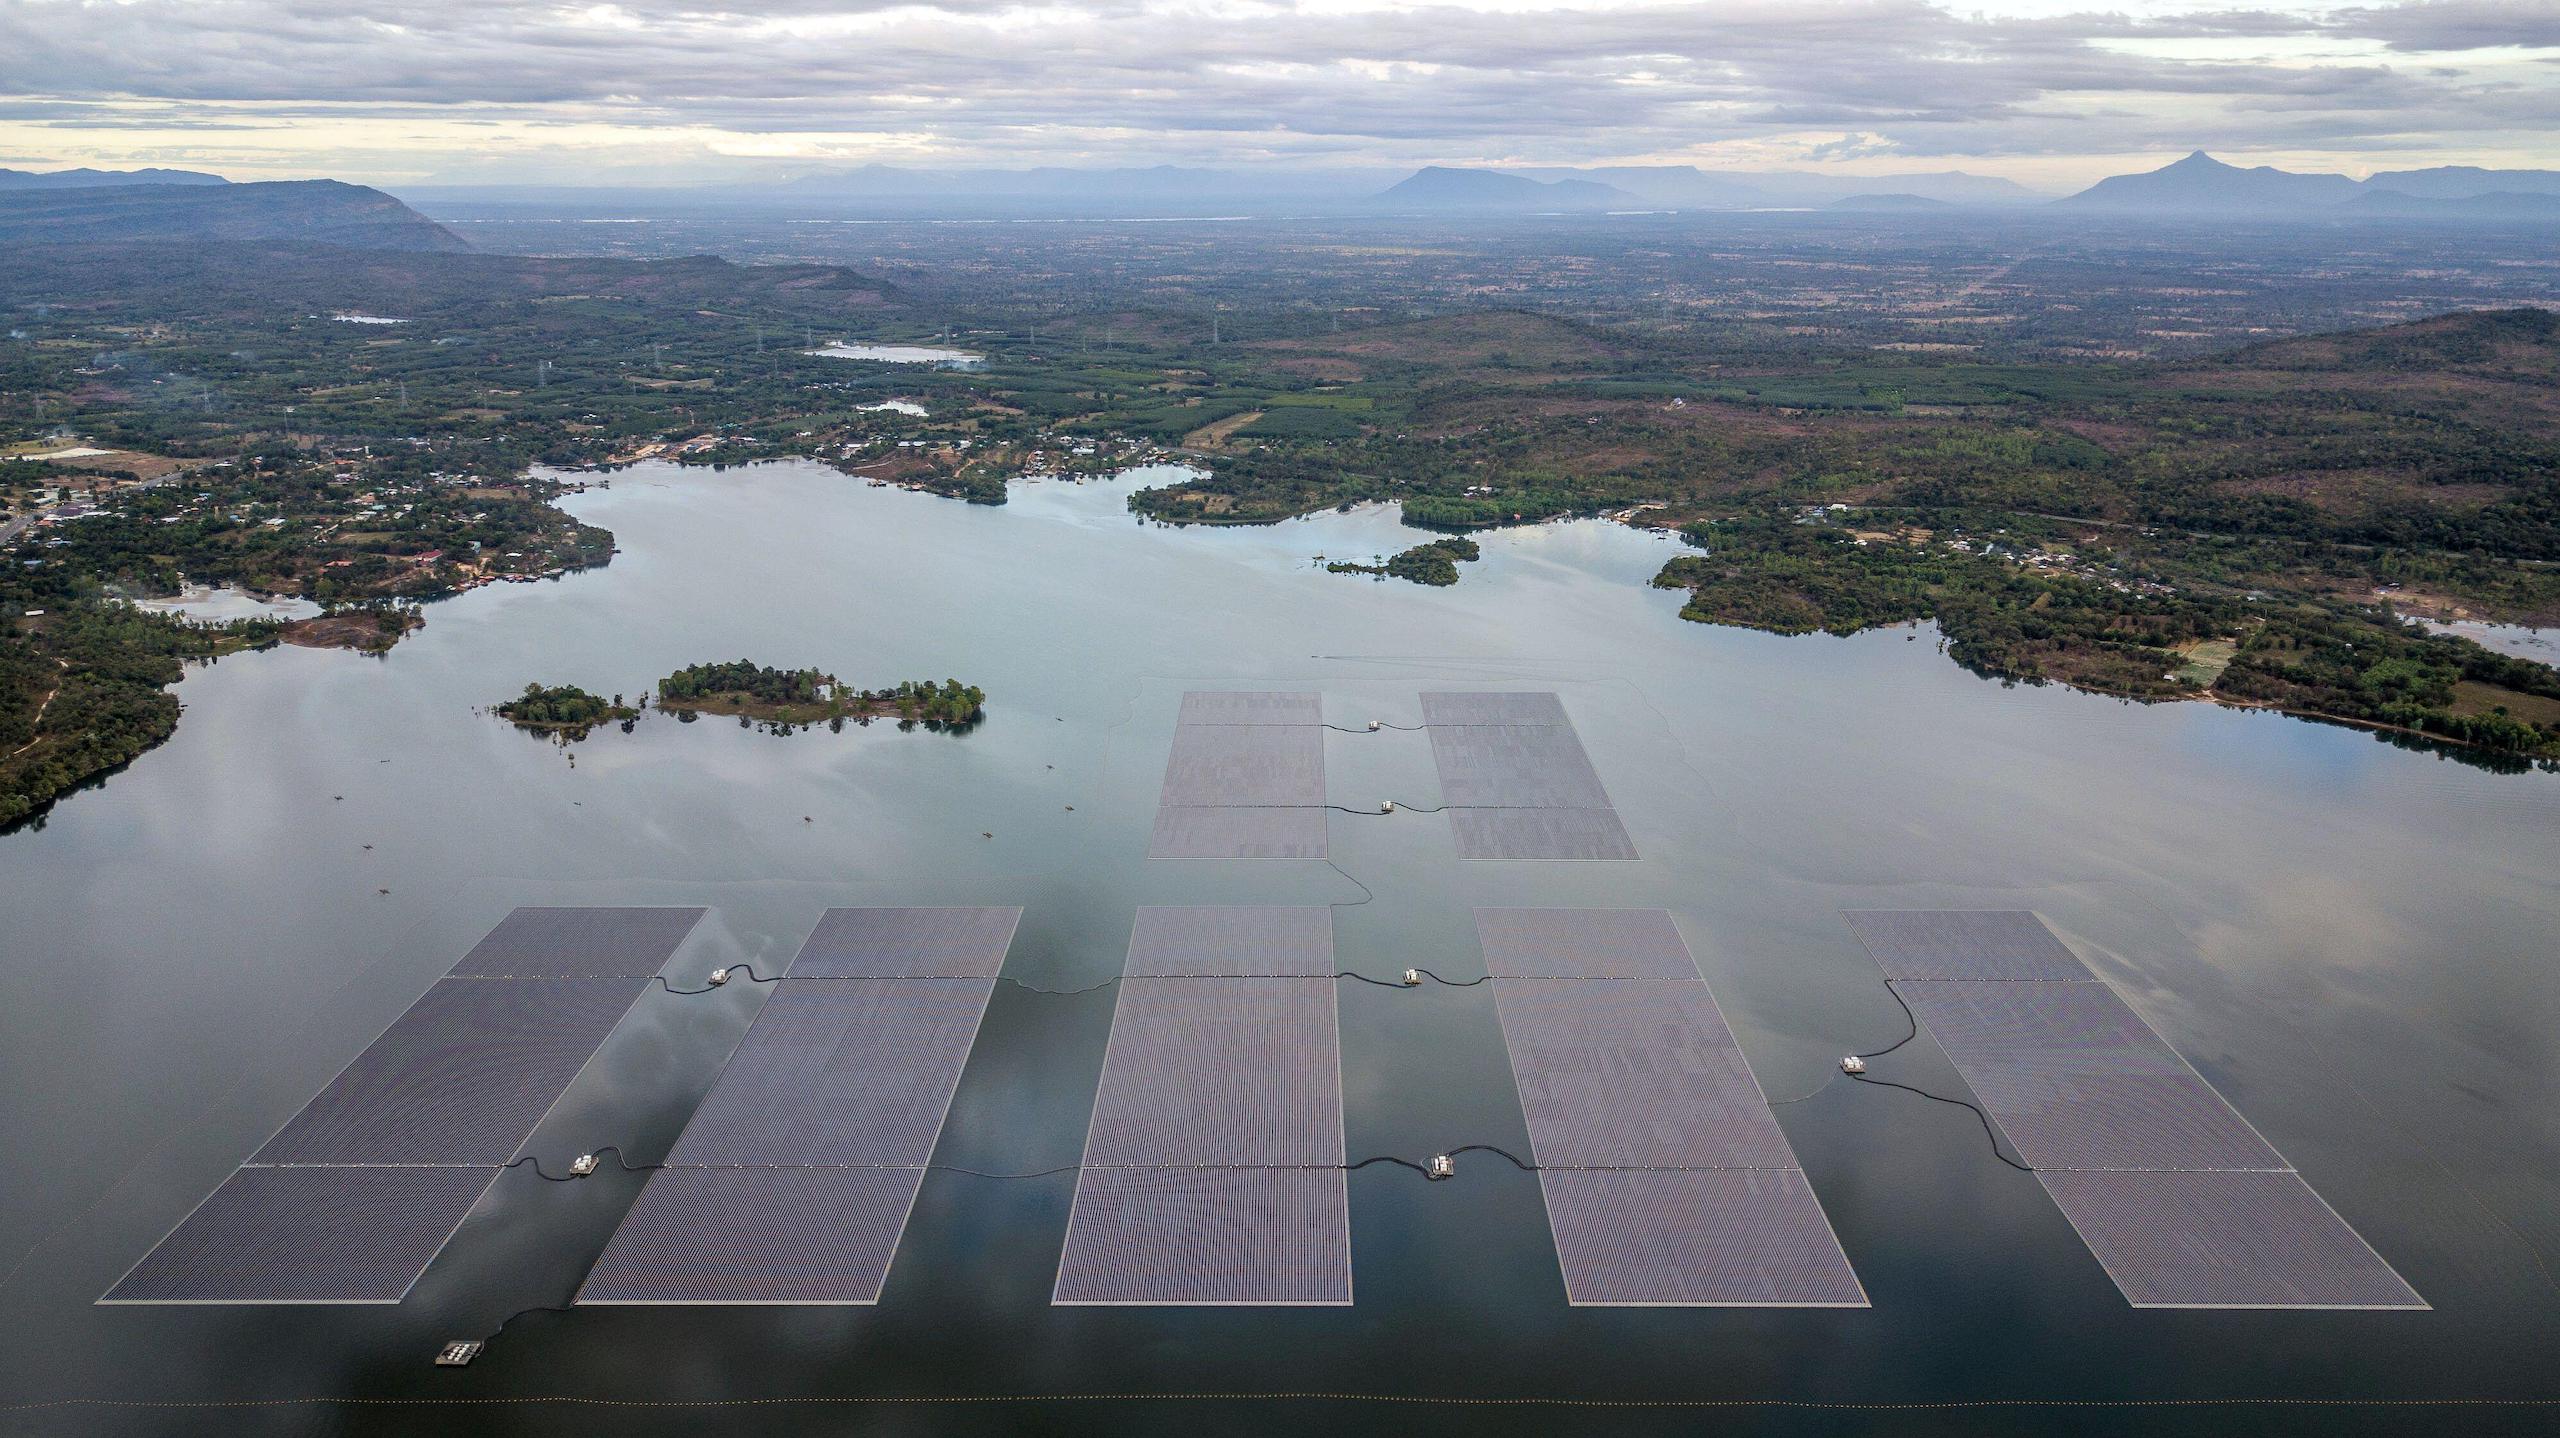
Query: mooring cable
{"points": [[1393, 808], [1908, 1017], [596, 1153], [1374, 728], [1987, 1130], [1057, 993], [724, 976], [1366, 893], [754, 978]]}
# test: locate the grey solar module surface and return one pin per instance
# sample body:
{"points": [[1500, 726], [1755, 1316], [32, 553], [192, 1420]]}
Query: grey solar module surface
{"points": [[1245, 765], [886, 943], [756, 1236], [2077, 1080], [1540, 834], [1246, 706], [1199, 832], [1638, 1073], [579, 943], [1220, 1236], [1963, 944], [1446, 707], [858, 1071], [1259, 942], [1583, 944], [1707, 1238], [1220, 1071], [461, 1078], [308, 1235], [1668, 1182], [2225, 1240], [1515, 766]]}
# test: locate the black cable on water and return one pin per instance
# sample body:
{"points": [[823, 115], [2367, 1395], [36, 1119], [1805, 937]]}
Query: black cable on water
{"points": [[982, 1173], [1987, 1130], [733, 971], [1058, 993], [1365, 894], [1364, 729], [619, 1161], [1400, 808], [1516, 1160], [1907, 1017], [1387, 1158], [1401, 984]]}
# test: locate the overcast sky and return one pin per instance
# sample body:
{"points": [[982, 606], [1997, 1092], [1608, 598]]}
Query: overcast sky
{"points": [[2048, 92]]}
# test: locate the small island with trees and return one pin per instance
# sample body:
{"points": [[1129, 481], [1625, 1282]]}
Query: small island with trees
{"points": [[565, 710], [784, 700], [1435, 563], [791, 697]]}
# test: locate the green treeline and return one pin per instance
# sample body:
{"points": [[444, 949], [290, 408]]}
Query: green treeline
{"points": [[744, 679], [806, 696], [2120, 634], [82, 692]]}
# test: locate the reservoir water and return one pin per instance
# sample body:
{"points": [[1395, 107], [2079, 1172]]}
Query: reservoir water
{"points": [[2353, 941], [937, 355]]}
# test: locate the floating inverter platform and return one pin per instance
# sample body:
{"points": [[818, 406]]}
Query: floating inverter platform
{"points": [[2183, 1203], [1213, 1169], [1245, 779], [792, 1182], [356, 1195], [1668, 1182], [1515, 779]]}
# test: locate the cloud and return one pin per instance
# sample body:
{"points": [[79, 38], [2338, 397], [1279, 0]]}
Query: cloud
{"points": [[1141, 81], [2445, 26]]}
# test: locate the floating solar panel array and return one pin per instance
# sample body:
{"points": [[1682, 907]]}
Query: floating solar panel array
{"points": [[792, 1182], [2183, 1203], [1213, 1173], [1516, 781], [1245, 780], [354, 1197], [1667, 1180]]}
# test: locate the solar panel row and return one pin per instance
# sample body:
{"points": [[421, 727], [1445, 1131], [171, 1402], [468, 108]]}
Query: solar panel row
{"points": [[2182, 1202], [1244, 780], [1213, 1170], [354, 1197], [1516, 781], [1667, 1180], [792, 1182]]}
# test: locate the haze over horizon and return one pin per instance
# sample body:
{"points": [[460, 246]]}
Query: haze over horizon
{"points": [[2048, 93]]}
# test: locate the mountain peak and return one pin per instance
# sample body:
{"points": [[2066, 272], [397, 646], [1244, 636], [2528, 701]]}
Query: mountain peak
{"points": [[2201, 183]]}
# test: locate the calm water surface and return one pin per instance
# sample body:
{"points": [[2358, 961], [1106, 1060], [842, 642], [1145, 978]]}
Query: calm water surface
{"points": [[902, 354], [2354, 942]]}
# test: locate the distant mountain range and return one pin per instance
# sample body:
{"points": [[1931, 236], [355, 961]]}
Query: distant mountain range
{"points": [[97, 179], [1169, 191], [166, 204], [1889, 202], [2203, 185], [297, 213], [1688, 187], [1438, 187]]}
